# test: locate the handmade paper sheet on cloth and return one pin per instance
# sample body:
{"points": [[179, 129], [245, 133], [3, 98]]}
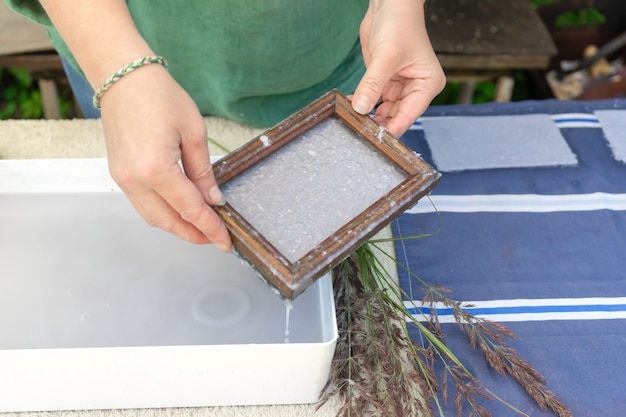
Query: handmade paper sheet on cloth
{"points": [[533, 205]]}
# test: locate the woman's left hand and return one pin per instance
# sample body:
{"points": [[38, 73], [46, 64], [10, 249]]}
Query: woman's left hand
{"points": [[402, 69]]}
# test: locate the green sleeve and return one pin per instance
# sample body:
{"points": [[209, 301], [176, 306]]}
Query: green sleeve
{"points": [[253, 62], [29, 9]]}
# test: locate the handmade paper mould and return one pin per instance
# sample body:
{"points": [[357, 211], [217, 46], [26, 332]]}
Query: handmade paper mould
{"points": [[312, 189]]}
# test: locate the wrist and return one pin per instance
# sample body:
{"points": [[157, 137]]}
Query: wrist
{"points": [[99, 69], [124, 71]]}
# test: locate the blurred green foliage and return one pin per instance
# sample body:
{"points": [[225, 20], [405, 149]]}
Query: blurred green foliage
{"points": [[581, 17], [20, 97]]}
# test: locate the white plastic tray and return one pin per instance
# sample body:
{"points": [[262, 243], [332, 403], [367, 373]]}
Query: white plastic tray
{"points": [[100, 311]]}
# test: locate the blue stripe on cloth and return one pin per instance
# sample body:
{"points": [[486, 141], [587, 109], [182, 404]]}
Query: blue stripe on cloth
{"points": [[562, 121], [570, 123], [529, 310], [572, 120], [522, 309]]}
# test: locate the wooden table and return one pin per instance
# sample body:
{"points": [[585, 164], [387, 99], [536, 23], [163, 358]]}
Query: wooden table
{"points": [[24, 44], [487, 39]]}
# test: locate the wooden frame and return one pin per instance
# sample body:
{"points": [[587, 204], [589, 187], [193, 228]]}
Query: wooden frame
{"points": [[291, 278]]}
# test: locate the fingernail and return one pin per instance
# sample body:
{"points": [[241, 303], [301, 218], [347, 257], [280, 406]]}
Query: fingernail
{"points": [[361, 104], [216, 195], [222, 247]]}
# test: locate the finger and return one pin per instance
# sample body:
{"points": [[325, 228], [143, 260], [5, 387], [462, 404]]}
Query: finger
{"points": [[371, 86], [197, 164], [157, 213], [386, 110], [405, 112], [183, 196]]}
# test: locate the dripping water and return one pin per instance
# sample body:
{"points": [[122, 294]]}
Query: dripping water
{"points": [[288, 308]]}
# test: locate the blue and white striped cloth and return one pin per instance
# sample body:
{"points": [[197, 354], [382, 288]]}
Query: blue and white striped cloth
{"points": [[533, 234]]}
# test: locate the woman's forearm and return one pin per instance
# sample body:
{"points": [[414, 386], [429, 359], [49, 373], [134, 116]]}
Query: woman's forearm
{"points": [[100, 33]]}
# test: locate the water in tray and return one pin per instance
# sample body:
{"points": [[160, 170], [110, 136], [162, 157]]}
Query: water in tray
{"points": [[84, 270]]}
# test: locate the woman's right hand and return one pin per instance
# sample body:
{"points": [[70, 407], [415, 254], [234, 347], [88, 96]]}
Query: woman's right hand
{"points": [[150, 124]]}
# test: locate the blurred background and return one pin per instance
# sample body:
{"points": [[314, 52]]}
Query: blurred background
{"points": [[491, 50]]}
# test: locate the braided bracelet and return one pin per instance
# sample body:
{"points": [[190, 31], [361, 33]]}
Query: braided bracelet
{"points": [[123, 71]]}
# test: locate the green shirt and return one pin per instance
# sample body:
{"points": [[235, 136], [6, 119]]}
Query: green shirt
{"points": [[251, 61]]}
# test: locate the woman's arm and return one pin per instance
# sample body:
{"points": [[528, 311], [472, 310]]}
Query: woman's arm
{"points": [[150, 122], [101, 35]]}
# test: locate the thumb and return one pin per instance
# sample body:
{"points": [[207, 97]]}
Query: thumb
{"points": [[370, 88], [198, 168]]}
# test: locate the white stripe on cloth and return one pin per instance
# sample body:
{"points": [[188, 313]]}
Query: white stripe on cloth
{"points": [[520, 203]]}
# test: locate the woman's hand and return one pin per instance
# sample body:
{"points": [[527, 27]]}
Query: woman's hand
{"points": [[402, 68], [150, 124]]}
